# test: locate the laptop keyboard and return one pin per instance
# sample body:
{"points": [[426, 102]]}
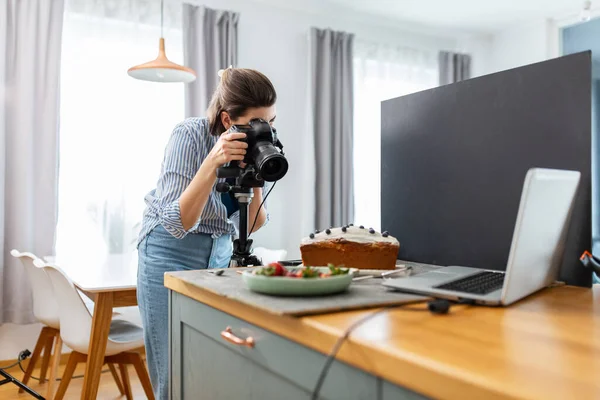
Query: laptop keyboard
{"points": [[481, 283]]}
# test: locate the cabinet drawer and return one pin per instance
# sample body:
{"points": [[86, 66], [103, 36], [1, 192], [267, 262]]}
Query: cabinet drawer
{"points": [[198, 325], [210, 371]]}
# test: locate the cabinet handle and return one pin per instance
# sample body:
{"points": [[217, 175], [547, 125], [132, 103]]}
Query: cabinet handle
{"points": [[231, 338]]}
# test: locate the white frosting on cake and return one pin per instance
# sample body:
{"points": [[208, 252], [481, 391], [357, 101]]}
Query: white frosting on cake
{"points": [[352, 234]]}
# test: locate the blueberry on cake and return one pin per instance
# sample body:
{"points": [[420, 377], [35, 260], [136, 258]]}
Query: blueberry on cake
{"points": [[351, 246]]}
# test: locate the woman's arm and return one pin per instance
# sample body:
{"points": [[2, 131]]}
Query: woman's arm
{"points": [[193, 199]]}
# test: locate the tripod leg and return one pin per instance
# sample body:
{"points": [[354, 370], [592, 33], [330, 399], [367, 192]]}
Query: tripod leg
{"points": [[9, 378]]}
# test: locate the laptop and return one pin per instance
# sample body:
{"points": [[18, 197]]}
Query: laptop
{"points": [[535, 254]]}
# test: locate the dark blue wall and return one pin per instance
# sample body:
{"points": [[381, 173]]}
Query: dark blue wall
{"points": [[581, 37]]}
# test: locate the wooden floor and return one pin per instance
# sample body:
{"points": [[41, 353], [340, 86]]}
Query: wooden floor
{"points": [[108, 387]]}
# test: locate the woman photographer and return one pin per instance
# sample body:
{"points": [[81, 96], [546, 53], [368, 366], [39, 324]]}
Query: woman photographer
{"points": [[187, 224]]}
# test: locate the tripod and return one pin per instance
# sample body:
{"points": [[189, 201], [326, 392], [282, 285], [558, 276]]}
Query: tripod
{"points": [[243, 193], [242, 246], [8, 378]]}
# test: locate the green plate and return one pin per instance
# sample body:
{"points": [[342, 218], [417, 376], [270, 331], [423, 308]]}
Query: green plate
{"points": [[287, 286]]}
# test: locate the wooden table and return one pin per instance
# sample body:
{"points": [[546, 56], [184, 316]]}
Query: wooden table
{"points": [[546, 346], [109, 282]]}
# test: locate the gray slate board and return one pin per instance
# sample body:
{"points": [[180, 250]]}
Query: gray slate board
{"points": [[361, 294]]}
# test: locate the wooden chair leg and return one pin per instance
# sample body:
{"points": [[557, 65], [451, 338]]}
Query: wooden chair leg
{"points": [[54, 364], [74, 359], [126, 382], [115, 375], [35, 356], [46, 357], [142, 373]]}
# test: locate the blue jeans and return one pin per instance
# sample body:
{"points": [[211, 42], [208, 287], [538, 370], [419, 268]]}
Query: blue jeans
{"points": [[158, 253]]}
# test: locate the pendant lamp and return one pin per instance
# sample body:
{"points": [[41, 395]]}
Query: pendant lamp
{"points": [[161, 69]]}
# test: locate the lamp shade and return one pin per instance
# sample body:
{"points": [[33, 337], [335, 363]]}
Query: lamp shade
{"points": [[162, 70]]}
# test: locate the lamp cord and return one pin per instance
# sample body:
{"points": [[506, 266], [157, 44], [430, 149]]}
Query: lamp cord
{"points": [[162, 10]]}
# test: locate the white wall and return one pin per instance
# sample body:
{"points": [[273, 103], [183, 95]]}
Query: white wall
{"points": [[480, 48], [524, 44], [274, 40]]}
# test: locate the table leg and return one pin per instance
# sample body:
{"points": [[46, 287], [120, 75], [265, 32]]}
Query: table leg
{"points": [[97, 348]]}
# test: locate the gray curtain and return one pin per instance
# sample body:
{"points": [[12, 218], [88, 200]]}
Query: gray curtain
{"points": [[210, 43], [30, 48], [454, 67], [332, 119]]}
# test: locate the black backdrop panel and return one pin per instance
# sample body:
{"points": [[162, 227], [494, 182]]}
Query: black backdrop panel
{"points": [[454, 159]]}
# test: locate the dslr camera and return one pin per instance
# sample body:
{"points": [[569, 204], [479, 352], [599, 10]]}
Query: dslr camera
{"points": [[265, 160]]}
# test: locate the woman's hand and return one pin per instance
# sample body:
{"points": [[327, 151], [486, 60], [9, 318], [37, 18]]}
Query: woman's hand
{"points": [[228, 148]]}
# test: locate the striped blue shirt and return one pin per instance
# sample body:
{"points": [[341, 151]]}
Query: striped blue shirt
{"points": [[187, 148]]}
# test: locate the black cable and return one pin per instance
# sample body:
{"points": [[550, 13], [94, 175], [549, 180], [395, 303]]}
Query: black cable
{"points": [[342, 339], [259, 208], [22, 356], [435, 306], [10, 366]]}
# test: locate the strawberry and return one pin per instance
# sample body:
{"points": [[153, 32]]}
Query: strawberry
{"points": [[279, 269]]}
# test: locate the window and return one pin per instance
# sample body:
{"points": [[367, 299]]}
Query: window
{"points": [[380, 72], [113, 128]]}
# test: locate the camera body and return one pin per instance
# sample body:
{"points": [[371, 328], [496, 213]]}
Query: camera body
{"points": [[265, 160]]}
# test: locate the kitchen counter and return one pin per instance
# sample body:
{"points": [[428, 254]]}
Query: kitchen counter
{"points": [[544, 347]]}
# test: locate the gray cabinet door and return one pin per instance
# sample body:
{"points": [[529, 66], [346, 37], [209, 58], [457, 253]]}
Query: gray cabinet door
{"points": [[197, 348]]}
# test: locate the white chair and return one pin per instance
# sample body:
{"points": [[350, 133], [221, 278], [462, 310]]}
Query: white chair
{"points": [[268, 255], [76, 325], [45, 310]]}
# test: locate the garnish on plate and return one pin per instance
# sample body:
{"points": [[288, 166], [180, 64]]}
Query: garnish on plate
{"points": [[307, 272], [276, 269], [337, 270]]}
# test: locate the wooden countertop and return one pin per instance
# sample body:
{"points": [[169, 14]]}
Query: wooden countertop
{"points": [[546, 346]]}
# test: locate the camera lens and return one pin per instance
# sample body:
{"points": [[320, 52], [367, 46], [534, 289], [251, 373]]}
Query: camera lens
{"points": [[271, 164]]}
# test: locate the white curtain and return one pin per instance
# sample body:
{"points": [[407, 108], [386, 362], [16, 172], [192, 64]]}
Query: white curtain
{"points": [[113, 128], [30, 37], [381, 72]]}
